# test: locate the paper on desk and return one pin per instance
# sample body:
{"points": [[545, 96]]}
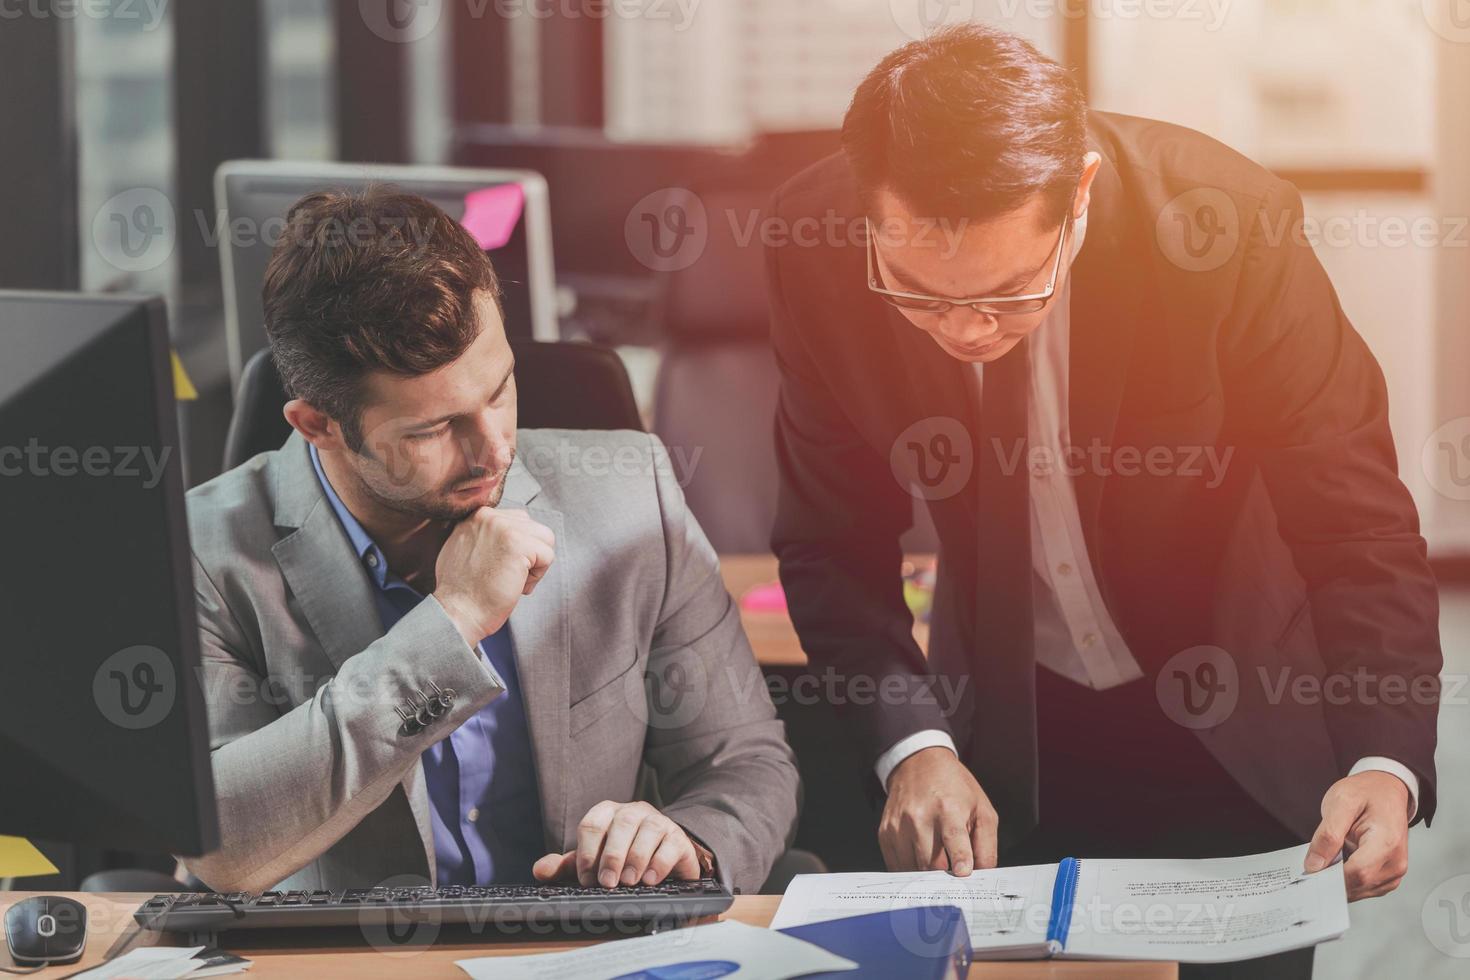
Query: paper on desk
{"points": [[1205, 911], [148, 963], [717, 950], [20, 859], [1005, 908]]}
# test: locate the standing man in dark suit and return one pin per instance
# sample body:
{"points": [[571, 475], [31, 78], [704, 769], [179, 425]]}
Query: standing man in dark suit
{"points": [[1182, 595]]}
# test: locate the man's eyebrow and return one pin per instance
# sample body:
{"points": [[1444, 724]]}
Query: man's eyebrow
{"points": [[1015, 283], [510, 373], [431, 423]]}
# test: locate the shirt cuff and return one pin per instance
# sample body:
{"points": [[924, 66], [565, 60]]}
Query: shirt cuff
{"points": [[1377, 763], [709, 865], [905, 747]]}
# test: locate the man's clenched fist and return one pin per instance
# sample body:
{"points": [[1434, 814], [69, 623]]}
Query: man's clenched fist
{"points": [[491, 559]]}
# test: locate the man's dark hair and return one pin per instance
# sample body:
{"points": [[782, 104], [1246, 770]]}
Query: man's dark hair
{"points": [[968, 123], [369, 280]]}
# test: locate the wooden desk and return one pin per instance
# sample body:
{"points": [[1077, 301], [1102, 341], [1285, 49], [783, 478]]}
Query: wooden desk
{"points": [[292, 953], [771, 634]]}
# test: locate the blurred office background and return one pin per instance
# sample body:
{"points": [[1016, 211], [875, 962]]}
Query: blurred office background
{"points": [[1365, 107]]}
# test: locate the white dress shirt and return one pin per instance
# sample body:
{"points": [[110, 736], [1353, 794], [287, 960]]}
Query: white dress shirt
{"points": [[1075, 635]]}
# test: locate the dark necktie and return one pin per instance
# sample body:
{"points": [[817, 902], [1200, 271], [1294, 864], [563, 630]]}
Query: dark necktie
{"points": [[1003, 749]]}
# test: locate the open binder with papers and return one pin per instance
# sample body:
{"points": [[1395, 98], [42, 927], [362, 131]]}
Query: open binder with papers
{"points": [[1191, 911]]}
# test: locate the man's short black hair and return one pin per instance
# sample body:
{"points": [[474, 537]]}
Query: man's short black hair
{"points": [[968, 123]]}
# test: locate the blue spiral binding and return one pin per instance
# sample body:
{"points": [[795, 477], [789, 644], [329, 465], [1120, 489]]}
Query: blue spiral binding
{"points": [[1062, 895]]}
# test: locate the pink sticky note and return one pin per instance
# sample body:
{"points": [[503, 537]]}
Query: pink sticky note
{"points": [[491, 215], [767, 598]]}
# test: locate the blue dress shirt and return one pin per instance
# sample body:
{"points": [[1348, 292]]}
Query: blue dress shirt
{"points": [[486, 808]]}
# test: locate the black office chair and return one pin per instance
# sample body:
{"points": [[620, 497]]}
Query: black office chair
{"points": [[559, 384]]}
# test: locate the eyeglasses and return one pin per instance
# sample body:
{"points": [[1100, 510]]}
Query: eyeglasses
{"points": [[990, 305]]}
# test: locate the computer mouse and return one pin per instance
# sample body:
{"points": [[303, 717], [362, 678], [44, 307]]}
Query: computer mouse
{"points": [[46, 929]]}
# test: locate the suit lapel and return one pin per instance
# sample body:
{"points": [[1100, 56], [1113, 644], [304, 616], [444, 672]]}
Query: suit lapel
{"points": [[334, 593], [318, 562], [1104, 311], [541, 636]]}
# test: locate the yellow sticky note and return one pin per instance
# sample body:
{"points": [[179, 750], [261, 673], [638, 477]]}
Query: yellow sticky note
{"points": [[20, 859], [184, 389]]}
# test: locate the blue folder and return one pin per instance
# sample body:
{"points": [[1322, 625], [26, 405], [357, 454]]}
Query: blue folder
{"points": [[928, 943]]}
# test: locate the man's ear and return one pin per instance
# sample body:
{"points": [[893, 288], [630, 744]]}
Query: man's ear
{"points": [[1091, 164], [315, 426]]}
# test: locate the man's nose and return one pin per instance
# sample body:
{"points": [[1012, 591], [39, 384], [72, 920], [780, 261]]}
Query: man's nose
{"points": [[485, 446], [965, 328]]}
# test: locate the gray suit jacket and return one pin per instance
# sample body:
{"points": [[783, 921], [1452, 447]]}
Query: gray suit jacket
{"points": [[630, 652]]}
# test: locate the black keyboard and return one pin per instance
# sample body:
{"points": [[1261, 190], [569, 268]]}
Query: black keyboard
{"points": [[497, 908]]}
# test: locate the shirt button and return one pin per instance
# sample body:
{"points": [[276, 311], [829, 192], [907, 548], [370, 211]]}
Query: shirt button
{"points": [[474, 815], [1088, 639], [372, 560], [1064, 569]]}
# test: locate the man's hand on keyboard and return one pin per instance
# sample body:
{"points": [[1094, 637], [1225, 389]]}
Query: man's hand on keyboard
{"points": [[627, 843]]}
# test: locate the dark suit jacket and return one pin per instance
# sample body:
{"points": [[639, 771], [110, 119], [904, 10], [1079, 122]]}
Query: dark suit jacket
{"points": [[1304, 564]]}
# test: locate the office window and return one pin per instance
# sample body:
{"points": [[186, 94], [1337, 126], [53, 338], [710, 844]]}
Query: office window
{"points": [[1315, 83], [740, 67], [301, 56], [124, 104]]}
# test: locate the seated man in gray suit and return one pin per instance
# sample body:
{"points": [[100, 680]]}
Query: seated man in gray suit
{"points": [[426, 636]]}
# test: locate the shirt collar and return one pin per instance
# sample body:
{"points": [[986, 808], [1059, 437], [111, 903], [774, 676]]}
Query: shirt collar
{"points": [[368, 551]]}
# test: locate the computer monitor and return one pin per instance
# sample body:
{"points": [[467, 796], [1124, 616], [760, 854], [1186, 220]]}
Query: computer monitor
{"points": [[595, 183], [103, 736], [595, 180], [600, 188], [253, 197]]}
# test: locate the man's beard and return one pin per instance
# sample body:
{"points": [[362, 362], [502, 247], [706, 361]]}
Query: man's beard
{"points": [[440, 505]]}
